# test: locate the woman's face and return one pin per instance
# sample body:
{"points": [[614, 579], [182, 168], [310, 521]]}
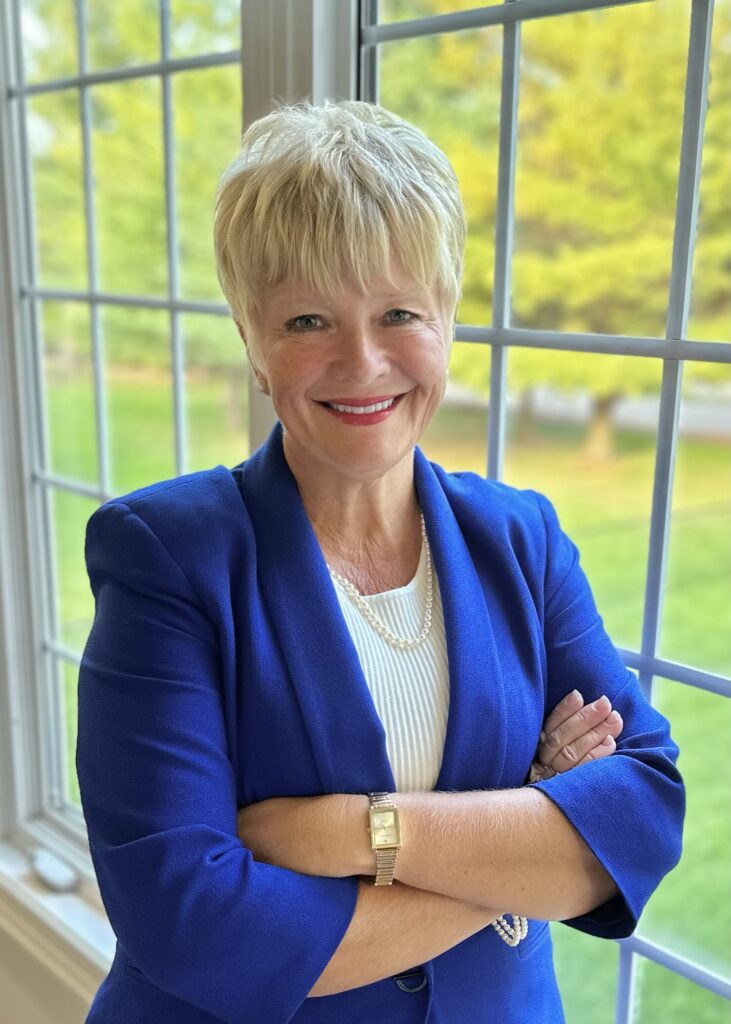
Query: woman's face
{"points": [[356, 349]]}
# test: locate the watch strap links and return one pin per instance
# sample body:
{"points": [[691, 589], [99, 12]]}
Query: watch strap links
{"points": [[385, 858]]}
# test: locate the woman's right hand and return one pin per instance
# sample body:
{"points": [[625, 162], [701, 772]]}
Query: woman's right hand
{"points": [[574, 734]]}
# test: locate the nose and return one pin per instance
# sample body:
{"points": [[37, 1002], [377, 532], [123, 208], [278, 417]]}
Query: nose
{"points": [[360, 356]]}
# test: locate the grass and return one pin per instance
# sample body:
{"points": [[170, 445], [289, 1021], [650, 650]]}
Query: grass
{"points": [[605, 508]]}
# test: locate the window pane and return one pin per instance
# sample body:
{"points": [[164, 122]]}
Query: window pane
{"points": [[138, 377], [216, 392], [207, 108], [663, 995], [401, 10], [599, 128], [50, 50], [690, 912], [74, 601], [199, 26], [54, 135], [70, 675], [458, 72], [582, 429], [129, 187], [710, 312], [586, 971], [696, 613], [68, 384], [456, 438], [121, 34]]}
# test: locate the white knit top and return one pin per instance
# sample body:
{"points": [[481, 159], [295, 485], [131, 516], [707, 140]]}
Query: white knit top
{"points": [[409, 686]]}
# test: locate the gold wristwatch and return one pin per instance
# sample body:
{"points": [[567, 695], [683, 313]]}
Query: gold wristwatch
{"points": [[385, 830]]}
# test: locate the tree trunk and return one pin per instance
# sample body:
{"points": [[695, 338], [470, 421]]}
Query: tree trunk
{"points": [[525, 431], [599, 446]]}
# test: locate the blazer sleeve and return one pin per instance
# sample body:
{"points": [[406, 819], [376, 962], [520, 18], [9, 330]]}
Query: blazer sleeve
{"points": [[240, 939], [630, 807]]}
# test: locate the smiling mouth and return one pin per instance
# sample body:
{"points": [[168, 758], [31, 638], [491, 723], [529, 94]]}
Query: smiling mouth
{"points": [[363, 410]]}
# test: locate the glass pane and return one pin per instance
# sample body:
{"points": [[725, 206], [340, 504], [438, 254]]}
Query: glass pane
{"points": [[199, 26], [696, 613], [458, 72], [75, 602], [129, 187], [586, 971], [710, 311], [663, 995], [120, 34], [401, 10], [54, 136], [70, 676], [69, 390], [216, 392], [690, 912], [582, 429], [48, 28], [599, 128], [456, 438], [139, 385], [207, 107]]}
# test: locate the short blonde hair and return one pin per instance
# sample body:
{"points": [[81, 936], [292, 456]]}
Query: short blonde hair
{"points": [[319, 193]]}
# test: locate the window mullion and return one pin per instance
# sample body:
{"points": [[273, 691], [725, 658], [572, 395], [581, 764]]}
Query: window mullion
{"points": [[504, 218], [172, 243], [686, 213]]}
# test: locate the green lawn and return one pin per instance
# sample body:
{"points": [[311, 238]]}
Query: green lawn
{"points": [[605, 508]]}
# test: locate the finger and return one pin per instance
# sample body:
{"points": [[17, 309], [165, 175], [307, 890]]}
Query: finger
{"points": [[565, 708], [604, 749], [571, 754], [579, 723]]}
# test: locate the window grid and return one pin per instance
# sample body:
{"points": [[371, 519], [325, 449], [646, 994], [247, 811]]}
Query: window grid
{"points": [[673, 350], [50, 750]]}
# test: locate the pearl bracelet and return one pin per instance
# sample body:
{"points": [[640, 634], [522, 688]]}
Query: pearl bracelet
{"points": [[512, 934]]}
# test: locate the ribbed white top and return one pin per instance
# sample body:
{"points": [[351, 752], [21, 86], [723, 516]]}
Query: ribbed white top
{"points": [[409, 686], [410, 689]]}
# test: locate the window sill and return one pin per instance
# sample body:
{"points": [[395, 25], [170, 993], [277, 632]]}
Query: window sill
{"points": [[65, 932]]}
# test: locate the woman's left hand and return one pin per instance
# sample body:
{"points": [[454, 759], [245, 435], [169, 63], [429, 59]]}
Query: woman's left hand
{"points": [[309, 834], [574, 734]]}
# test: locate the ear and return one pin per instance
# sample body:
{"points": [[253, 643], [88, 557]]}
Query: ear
{"points": [[240, 329]]}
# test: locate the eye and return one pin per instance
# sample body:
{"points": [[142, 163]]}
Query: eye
{"points": [[293, 324], [411, 316]]}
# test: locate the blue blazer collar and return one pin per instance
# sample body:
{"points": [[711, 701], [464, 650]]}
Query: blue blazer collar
{"points": [[346, 731]]}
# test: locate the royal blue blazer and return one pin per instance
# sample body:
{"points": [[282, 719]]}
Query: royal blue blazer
{"points": [[219, 672]]}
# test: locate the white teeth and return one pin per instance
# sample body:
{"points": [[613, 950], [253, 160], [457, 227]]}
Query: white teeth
{"points": [[362, 409]]}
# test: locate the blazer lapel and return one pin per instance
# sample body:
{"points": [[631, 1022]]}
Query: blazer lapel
{"points": [[345, 730], [474, 745]]}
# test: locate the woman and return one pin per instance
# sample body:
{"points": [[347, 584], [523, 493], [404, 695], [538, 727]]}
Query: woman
{"points": [[336, 635]]}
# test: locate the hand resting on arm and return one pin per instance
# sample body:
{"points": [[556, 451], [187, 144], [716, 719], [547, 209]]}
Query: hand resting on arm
{"points": [[429, 923]]}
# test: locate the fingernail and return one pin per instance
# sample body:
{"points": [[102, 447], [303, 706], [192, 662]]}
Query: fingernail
{"points": [[614, 717], [608, 741], [542, 737], [574, 697], [602, 703]]}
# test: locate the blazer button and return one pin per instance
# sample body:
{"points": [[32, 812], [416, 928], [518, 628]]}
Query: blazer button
{"points": [[411, 981]]}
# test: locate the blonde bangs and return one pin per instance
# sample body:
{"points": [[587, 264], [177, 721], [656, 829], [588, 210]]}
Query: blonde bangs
{"points": [[345, 191]]}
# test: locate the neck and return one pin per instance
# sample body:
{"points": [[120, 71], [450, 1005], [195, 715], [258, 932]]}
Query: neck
{"points": [[350, 514]]}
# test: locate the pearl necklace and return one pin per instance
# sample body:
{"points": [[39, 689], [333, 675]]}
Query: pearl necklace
{"points": [[380, 627]]}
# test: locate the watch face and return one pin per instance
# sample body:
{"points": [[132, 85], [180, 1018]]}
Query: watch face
{"points": [[385, 828]]}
